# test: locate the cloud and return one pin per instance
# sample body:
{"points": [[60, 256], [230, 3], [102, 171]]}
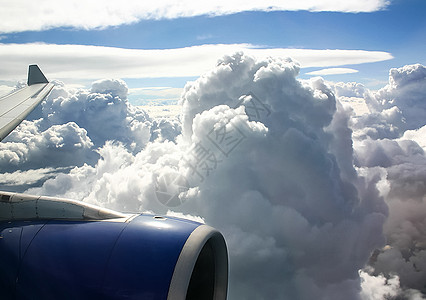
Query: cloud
{"points": [[46, 14], [381, 287], [114, 87], [79, 62], [417, 135], [351, 95], [58, 146], [378, 287], [333, 71], [349, 89], [103, 112], [397, 107]]}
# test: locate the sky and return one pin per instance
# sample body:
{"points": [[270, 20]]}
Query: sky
{"points": [[313, 167], [391, 34]]}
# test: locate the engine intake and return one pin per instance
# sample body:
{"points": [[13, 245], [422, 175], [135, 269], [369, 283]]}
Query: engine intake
{"points": [[142, 257]]}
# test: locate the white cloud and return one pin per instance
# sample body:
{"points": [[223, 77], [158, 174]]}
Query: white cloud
{"points": [[102, 111], [78, 62], [397, 107], [378, 287], [59, 145], [351, 94], [114, 87], [349, 89], [45, 14], [417, 135], [333, 71]]}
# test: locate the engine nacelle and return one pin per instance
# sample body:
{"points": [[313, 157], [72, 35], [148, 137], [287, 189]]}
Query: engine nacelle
{"points": [[137, 257]]}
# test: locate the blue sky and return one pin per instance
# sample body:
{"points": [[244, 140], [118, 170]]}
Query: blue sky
{"points": [[396, 27]]}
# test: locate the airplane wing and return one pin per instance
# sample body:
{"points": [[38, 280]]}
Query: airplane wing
{"points": [[14, 108]]}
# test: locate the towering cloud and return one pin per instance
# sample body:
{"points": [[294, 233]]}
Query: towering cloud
{"points": [[286, 197]]}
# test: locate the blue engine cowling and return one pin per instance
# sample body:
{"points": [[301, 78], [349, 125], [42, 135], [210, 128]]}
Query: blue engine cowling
{"points": [[144, 257]]}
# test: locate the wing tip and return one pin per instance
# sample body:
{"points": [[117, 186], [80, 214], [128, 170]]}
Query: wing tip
{"points": [[35, 75]]}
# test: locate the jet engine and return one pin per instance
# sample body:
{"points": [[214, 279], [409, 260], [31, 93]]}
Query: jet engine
{"points": [[54, 248]]}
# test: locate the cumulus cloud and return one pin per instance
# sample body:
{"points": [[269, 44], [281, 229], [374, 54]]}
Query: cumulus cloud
{"points": [[46, 14], [114, 87], [349, 89], [102, 111], [58, 146], [397, 107], [79, 62], [351, 95], [417, 135], [381, 287], [312, 204], [378, 287]]}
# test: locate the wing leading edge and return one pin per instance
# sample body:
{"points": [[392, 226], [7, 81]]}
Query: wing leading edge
{"points": [[14, 108]]}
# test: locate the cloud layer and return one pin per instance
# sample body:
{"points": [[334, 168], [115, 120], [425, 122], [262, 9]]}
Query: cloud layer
{"points": [[46, 14], [79, 62], [314, 202]]}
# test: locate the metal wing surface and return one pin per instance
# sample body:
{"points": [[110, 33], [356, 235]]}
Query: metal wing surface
{"points": [[15, 107]]}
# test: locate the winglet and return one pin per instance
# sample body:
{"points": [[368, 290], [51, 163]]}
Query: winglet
{"points": [[35, 75]]}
